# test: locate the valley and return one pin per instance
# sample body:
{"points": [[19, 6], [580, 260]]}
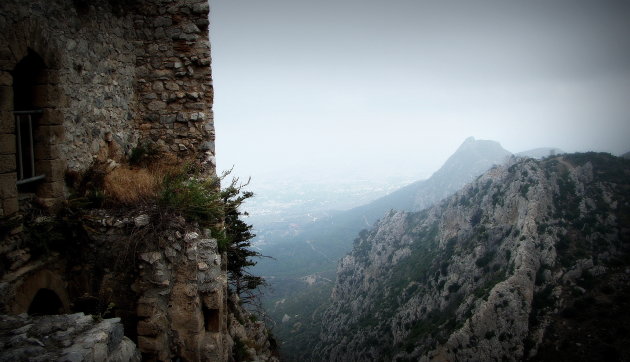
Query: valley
{"points": [[304, 269], [511, 246]]}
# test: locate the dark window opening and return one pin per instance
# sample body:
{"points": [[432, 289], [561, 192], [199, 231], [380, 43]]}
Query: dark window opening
{"points": [[45, 302], [28, 90], [25, 123], [211, 319], [27, 75]]}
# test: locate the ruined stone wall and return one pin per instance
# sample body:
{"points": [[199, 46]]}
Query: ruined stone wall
{"points": [[90, 64], [174, 80], [116, 74], [86, 89]]}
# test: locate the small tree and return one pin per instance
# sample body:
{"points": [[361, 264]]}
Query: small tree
{"points": [[238, 236]]}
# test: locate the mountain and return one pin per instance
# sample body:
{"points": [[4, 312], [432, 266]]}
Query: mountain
{"points": [[322, 243], [471, 159], [530, 261], [302, 271]]}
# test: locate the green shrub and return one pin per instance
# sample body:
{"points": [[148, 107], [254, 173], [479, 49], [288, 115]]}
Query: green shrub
{"points": [[197, 199]]}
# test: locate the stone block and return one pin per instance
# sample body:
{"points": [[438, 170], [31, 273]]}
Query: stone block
{"points": [[7, 163], [149, 328], [213, 300], [149, 345], [146, 309], [162, 21], [6, 65], [7, 122], [201, 8], [6, 79], [51, 117], [53, 169], [50, 190], [10, 206], [170, 85], [6, 98], [49, 135], [7, 144], [46, 152], [8, 187], [156, 105]]}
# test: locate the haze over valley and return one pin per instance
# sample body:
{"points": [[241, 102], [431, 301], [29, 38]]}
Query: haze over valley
{"points": [[432, 179]]}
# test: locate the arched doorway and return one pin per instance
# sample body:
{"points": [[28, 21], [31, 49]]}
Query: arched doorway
{"points": [[45, 302], [43, 292]]}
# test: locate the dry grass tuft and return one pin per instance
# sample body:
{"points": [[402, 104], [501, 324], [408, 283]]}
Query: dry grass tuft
{"points": [[166, 165], [130, 186]]}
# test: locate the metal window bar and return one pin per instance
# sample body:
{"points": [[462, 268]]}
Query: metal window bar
{"points": [[20, 118]]}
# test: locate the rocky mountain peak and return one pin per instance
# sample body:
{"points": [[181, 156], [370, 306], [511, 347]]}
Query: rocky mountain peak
{"points": [[520, 264]]}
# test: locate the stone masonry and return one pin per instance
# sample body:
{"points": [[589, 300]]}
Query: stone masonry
{"points": [[85, 81], [112, 72]]}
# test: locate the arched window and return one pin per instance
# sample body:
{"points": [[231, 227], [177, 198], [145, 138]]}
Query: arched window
{"points": [[211, 319], [28, 87]]}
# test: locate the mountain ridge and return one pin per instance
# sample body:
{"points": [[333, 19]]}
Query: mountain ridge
{"points": [[483, 274], [336, 233]]}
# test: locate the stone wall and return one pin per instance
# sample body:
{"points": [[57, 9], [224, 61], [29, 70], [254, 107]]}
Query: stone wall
{"points": [[163, 276], [105, 77], [115, 75], [182, 306], [174, 81]]}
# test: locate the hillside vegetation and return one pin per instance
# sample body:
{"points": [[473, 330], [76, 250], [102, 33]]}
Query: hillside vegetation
{"points": [[528, 262]]}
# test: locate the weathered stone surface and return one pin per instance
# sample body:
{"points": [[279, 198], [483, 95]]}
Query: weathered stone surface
{"points": [[7, 144], [6, 98], [52, 189], [141, 220], [94, 79], [73, 337], [7, 163], [481, 275], [49, 135], [116, 75], [7, 185], [53, 169], [10, 206]]}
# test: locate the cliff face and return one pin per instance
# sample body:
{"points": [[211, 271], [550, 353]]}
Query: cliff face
{"points": [[492, 272], [303, 263], [163, 277]]}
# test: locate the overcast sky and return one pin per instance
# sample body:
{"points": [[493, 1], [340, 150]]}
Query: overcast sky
{"points": [[323, 87]]}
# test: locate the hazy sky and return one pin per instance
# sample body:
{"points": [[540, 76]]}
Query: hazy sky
{"points": [[320, 87]]}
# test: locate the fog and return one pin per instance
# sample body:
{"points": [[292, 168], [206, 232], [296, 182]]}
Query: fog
{"points": [[370, 88]]}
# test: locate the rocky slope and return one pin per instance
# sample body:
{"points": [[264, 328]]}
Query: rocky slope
{"points": [[500, 270], [322, 243], [302, 269]]}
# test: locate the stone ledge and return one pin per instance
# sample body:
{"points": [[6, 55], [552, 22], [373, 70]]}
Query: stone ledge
{"points": [[65, 337]]}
